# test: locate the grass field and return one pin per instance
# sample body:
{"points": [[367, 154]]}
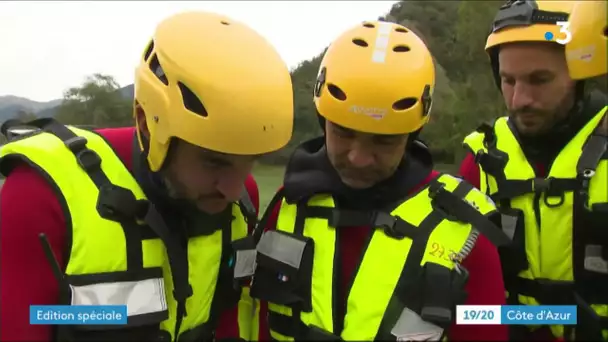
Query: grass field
{"points": [[270, 177]]}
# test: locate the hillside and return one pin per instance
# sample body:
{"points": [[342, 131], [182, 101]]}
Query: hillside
{"points": [[10, 105]]}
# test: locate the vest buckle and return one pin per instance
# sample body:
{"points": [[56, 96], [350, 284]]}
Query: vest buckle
{"points": [[388, 223], [87, 159], [540, 185], [493, 161], [182, 292], [76, 143], [116, 203]]}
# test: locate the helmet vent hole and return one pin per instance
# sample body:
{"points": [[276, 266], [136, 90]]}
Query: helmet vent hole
{"points": [[606, 31], [191, 101], [405, 103], [369, 25], [158, 70], [401, 48], [401, 29], [225, 22], [149, 50], [336, 92], [360, 42]]}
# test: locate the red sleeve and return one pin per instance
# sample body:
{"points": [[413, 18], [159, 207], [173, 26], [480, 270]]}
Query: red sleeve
{"points": [[469, 170], [485, 287], [121, 140], [228, 324], [254, 194], [28, 207]]}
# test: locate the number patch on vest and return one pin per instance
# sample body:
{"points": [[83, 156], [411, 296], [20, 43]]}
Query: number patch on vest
{"points": [[439, 251]]}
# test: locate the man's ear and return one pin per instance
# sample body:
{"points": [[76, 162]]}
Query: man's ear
{"points": [[140, 120]]}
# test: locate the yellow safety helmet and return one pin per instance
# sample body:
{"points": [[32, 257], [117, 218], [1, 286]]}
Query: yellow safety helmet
{"points": [[527, 21], [377, 77], [586, 52], [215, 83]]}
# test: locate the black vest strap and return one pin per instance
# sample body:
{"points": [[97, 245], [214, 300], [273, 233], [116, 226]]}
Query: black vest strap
{"points": [[90, 162], [458, 209], [410, 292], [119, 204]]}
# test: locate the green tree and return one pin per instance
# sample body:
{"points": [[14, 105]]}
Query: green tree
{"points": [[96, 102]]}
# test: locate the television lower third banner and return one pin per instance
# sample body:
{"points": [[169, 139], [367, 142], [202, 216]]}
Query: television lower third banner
{"points": [[78, 314], [516, 314], [465, 314]]}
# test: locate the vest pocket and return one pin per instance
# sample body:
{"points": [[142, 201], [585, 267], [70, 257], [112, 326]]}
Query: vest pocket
{"points": [[142, 291], [244, 259], [593, 222], [513, 256], [284, 269]]}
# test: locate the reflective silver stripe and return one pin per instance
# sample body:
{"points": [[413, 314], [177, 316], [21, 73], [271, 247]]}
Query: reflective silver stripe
{"points": [[140, 297], [594, 262], [244, 265], [281, 247], [411, 327]]}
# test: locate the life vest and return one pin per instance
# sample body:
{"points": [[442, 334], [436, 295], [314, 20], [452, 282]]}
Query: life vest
{"points": [[410, 277], [120, 250], [558, 224]]}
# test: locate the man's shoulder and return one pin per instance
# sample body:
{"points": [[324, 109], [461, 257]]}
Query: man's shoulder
{"points": [[121, 141], [434, 174], [25, 187], [117, 135]]}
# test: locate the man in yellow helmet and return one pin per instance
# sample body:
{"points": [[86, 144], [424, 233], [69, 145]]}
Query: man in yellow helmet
{"points": [[145, 216], [545, 164], [365, 241]]}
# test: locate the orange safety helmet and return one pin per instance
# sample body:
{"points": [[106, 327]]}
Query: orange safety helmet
{"points": [[377, 77], [527, 21], [586, 52], [215, 83]]}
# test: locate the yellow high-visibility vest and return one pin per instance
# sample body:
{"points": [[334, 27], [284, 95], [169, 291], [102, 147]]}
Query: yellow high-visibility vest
{"points": [[410, 276], [559, 224], [117, 255]]}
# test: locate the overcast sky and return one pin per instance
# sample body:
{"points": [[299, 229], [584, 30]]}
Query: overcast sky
{"points": [[46, 47]]}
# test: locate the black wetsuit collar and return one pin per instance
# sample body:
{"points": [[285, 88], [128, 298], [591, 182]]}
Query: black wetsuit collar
{"points": [[310, 172]]}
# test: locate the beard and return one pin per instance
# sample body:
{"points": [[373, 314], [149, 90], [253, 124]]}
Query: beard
{"points": [[211, 203]]}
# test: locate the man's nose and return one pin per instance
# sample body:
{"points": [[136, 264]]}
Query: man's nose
{"points": [[231, 186], [360, 156], [522, 96]]}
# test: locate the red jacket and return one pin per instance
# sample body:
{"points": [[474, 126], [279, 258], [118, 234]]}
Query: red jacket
{"points": [[27, 208], [485, 286]]}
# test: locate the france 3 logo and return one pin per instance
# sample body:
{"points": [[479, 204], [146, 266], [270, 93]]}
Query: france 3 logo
{"points": [[564, 28]]}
